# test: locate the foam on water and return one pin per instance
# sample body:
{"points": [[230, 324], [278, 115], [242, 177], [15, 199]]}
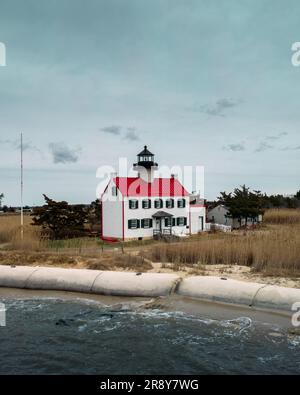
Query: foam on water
{"points": [[54, 335]]}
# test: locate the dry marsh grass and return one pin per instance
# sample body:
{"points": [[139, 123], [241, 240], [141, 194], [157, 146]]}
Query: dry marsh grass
{"points": [[282, 216], [100, 261], [10, 235], [274, 251], [10, 232], [80, 252]]}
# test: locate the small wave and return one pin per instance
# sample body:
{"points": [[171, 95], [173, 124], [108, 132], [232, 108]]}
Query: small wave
{"points": [[293, 341], [276, 337], [240, 323], [271, 358], [82, 328]]}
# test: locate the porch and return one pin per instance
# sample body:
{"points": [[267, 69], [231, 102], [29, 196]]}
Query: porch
{"points": [[162, 224]]}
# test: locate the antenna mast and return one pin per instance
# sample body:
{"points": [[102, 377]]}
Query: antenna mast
{"points": [[22, 215]]}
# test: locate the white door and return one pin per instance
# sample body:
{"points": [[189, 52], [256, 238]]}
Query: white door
{"points": [[157, 224]]}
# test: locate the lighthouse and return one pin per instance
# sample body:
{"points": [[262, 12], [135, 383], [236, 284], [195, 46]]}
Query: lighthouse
{"points": [[145, 165], [148, 206]]}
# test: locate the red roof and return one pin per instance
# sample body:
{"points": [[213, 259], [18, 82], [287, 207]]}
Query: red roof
{"points": [[135, 186]]}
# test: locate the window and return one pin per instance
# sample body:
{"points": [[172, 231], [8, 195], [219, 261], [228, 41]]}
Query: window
{"points": [[148, 158], [169, 221], [133, 223], [158, 203], [146, 203], [133, 204], [181, 203], [146, 223], [114, 191], [181, 221], [170, 203]]}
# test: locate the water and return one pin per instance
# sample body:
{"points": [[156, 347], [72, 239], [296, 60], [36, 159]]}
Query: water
{"points": [[55, 336]]}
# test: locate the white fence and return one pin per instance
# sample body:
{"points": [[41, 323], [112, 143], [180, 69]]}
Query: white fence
{"points": [[211, 226]]}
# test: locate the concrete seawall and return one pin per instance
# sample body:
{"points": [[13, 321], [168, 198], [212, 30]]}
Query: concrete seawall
{"points": [[206, 288], [89, 281], [218, 289]]}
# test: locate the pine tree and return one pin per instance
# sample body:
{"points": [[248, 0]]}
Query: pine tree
{"points": [[242, 203], [59, 219]]}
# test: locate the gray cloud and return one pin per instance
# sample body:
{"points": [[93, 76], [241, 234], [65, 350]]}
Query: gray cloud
{"points": [[16, 144], [5, 141], [290, 148], [216, 109], [131, 135], [128, 133], [61, 153], [113, 129], [234, 147], [264, 146], [131, 129], [276, 136], [267, 142]]}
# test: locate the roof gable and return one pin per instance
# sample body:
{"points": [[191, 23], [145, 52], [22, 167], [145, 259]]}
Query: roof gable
{"points": [[137, 187]]}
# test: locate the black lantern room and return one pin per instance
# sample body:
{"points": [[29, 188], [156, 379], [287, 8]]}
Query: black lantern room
{"points": [[146, 159]]}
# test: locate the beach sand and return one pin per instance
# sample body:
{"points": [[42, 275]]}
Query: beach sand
{"points": [[236, 272]]}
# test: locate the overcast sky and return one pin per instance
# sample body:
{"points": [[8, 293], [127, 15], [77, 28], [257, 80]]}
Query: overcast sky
{"points": [[200, 82]]}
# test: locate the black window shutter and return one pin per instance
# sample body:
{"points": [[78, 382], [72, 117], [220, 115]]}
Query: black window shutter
{"points": [[177, 221], [170, 203], [173, 221], [149, 200], [133, 204], [143, 204], [160, 203], [142, 223], [185, 220], [183, 201], [166, 222], [150, 224], [137, 223], [129, 224]]}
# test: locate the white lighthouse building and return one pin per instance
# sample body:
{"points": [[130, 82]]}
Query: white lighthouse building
{"points": [[144, 206]]}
